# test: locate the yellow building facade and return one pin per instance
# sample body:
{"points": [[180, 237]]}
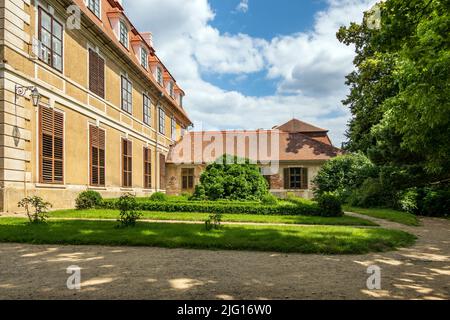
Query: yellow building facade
{"points": [[108, 108]]}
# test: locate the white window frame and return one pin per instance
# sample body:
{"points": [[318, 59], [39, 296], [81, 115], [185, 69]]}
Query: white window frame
{"points": [[121, 94], [123, 26], [173, 128], [88, 2], [159, 75], [161, 124], [143, 52]]}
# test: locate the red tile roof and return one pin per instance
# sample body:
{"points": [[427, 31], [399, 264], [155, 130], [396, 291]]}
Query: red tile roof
{"points": [[206, 147], [114, 8], [295, 126]]}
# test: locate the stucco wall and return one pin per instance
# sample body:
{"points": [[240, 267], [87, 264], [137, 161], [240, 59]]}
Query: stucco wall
{"points": [[68, 91]]}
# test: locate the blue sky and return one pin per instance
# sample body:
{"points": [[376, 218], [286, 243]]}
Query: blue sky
{"points": [[265, 19], [247, 64]]}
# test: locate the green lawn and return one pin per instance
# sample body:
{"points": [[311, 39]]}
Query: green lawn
{"points": [[315, 239], [388, 214], [114, 214]]}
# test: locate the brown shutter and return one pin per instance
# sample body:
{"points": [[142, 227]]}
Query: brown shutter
{"points": [[101, 157], [93, 71], [101, 77], [287, 178], [97, 151], [127, 163], [96, 74], [51, 132], [147, 168], [305, 178], [162, 171]]}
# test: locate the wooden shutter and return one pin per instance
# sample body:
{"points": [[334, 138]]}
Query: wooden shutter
{"points": [[127, 163], [97, 159], [162, 172], [147, 168], [51, 153], [287, 179], [305, 178], [96, 74]]}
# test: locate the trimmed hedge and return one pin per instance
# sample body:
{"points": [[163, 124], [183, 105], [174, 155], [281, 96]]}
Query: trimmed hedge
{"points": [[311, 209]]}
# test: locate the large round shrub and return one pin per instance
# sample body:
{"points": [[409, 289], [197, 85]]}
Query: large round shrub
{"points": [[88, 200], [343, 174], [232, 179], [329, 205]]}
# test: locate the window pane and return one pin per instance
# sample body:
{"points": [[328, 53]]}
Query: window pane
{"points": [[57, 30], [57, 62], [57, 46], [45, 21], [46, 38]]}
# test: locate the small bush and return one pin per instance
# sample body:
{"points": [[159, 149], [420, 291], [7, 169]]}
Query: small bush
{"points": [[330, 205], [429, 201], [269, 199], [214, 222], [159, 196], [436, 202], [40, 206], [408, 201], [88, 200], [127, 205]]}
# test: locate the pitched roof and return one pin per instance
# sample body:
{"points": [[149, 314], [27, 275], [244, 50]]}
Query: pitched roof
{"points": [[114, 8], [296, 125], [207, 146]]}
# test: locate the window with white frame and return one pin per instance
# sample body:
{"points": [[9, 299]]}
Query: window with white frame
{"points": [[144, 58], [162, 121], [170, 89], [159, 75], [147, 110], [94, 6], [123, 34], [51, 40], [127, 95], [173, 128]]}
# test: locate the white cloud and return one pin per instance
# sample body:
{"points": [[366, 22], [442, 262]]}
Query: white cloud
{"points": [[242, 6], [308, 67]]}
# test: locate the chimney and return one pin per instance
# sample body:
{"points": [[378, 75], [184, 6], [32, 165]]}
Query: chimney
{"points": [[148, 37]]}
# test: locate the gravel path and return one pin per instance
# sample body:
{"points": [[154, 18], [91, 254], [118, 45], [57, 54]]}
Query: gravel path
{"points": [[418, 272]]}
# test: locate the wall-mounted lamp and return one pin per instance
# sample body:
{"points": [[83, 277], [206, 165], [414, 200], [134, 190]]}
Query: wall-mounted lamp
{"points": [[34, 93], [21, 91]]}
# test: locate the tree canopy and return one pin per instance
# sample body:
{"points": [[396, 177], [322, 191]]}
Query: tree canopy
{"points": [[400, 90]]}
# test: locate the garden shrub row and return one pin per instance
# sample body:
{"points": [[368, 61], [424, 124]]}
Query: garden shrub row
{"points": [[311, 209]]}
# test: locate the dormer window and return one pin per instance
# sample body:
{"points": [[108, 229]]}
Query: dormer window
{"points": [[159, 75], [144, 58], [94, 6], [170, 89], [123, 34]]}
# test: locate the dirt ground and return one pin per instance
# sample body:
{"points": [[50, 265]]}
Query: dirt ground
{"points": [[39, 272]]}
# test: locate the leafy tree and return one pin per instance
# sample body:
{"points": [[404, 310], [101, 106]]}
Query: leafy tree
{"points": [[231, 178], [399, 92], [343, 174]]}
